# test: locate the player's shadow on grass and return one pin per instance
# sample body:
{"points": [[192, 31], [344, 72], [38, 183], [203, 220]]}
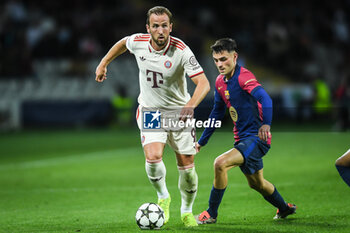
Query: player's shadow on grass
{"points": [[329, 223], [217, 228]]}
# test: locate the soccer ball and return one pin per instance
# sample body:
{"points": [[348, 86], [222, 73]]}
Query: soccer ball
{"points": [[150, 216]]}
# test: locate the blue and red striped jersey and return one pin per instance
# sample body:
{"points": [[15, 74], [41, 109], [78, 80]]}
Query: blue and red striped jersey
{"points": [[248, 103]]}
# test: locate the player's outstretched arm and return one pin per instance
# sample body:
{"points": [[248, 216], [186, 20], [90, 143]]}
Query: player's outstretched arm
{"points": [[117, 49], [266, 102], [201, 90]]}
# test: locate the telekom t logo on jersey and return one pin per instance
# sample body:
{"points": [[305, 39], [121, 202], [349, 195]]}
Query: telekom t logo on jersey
{"points": [[155, 77]]}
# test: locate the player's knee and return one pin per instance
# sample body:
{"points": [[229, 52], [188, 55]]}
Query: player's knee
{"points": [[219, 165], [154, 156], [337, 162], [340, 162], [343, 160]]}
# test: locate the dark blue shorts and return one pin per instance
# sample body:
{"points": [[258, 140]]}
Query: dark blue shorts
{"points": [[252, 149]]}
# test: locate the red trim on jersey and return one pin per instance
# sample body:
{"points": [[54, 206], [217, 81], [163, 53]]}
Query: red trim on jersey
{"points": [[141, 37], [149, 49], [177, 46], [146, 38], [166, 50], [260, 111], [235, 132], [178, 41], [138, 113], [197, 74]]}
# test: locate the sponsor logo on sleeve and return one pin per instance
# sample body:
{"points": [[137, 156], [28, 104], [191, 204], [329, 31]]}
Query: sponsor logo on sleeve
{"points": [[193, 61]]}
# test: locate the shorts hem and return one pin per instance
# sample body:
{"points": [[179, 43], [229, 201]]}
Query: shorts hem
{"points": [[184, 153], [146, 143]]}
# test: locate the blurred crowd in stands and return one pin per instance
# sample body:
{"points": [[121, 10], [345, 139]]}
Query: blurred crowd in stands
{"points": [[302, 40]]}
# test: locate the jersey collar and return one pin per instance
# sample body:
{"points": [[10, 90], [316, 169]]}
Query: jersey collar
{"points": [[161, 52]]}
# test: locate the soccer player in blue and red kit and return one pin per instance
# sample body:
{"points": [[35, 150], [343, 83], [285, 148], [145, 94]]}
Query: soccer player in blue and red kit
{"points": [[250, 107]]}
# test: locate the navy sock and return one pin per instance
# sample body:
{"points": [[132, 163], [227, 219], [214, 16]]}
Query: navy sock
{"points": [[214, 201], [277, 200], [344, 172]]}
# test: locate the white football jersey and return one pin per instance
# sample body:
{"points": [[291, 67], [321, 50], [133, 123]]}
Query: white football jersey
{"points": [[162, 73]]}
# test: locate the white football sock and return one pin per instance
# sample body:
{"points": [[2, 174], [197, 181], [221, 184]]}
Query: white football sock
{"points": [[156, 172], [188, 184]]}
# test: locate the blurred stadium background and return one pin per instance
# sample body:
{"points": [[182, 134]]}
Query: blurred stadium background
{"points": [[299, 50], [78, 179]]}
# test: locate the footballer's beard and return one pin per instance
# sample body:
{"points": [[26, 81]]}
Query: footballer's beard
{"points": [[160, 43]]}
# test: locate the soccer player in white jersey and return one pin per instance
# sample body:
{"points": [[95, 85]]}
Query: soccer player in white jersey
{"points": [[163, 61]]}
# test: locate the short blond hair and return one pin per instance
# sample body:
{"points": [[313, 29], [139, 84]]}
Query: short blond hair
{"points": [[159, 10]]}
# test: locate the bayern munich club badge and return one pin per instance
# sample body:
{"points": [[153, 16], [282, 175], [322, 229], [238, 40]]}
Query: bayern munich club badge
{"points": [[167, 64]]}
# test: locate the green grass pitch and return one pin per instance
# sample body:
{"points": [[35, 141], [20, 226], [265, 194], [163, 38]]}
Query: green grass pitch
{"points": [[94, 181]]}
